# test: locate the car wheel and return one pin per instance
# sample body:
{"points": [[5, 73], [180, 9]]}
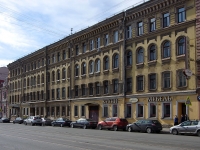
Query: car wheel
{"points": [[115, 128], [84, 127], [129, 129], [99, 127], [72, 126], [175, 132], [148, 130], [198, 133]]}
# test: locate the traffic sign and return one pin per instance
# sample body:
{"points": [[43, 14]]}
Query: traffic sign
{"points": [[188, 102]]}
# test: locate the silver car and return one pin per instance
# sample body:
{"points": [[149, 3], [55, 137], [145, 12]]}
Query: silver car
{"points": [[186, 127], [33, 120]]}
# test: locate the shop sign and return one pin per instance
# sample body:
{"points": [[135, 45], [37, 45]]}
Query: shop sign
{"points": [[160, 99], [133, 100], [110, 101], [188, 102]]}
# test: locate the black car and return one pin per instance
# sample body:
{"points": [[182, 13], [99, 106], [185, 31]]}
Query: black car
{"points": [[46, 122], [18, 120], [5, 120], [84, 123], [148, 126], [61, 122]]}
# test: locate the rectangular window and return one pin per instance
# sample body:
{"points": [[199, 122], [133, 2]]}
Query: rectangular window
{"points": [[181, 79], [128, 32], [58, 93], [97, 87], [128, 110], [68, 92], [166, 80], [69, 53], [140, 28], [152, 81], [105, 87], [166, 110], [38, 95], [129, 84], [115, 38], [105, 111], [48, 95], [152, 108], [140, 110], [114, 111], [83, 47], [52, 111], [91, 44], [82, 110], [83, 89], [63, 92], [152, 24], [106, 41], [140, 83], [90, 89], [64, 55], [63, 111], [76, 90], [58, 56], [166, 20], [181, 15], [52, 94], [77, 50], [115, 86], [68, 110], [98, 42], [75, 111], [42, 95]]}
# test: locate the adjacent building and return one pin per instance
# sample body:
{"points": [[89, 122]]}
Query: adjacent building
{"points": [[133, 65]]}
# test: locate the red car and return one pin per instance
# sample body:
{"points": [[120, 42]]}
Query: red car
{"points": [[114, 123]]}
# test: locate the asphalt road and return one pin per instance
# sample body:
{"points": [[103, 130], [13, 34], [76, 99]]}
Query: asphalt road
{"points": [[21, 137]]}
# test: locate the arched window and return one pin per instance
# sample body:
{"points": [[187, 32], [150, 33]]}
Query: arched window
{"points": [[58, 74], [166, 49], [181, 46], [76, 70], [91, 66], [34, 80], [68, 72], [63, 73], [53, 76], [83, 66], [24, 82], [97, 65], [140, 56], [38, 79], [106, 63], [28, 82], [152, 53], [129, 58], [116, 61]]}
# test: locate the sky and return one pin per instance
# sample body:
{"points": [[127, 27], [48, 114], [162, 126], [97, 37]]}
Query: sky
{"points": [[28, 25]]}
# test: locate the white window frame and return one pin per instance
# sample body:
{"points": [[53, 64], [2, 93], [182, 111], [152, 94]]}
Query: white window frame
{"points": [[149, 109], [127, 110], [167, 118], [105, 105], [140, 103], [113, 110]]}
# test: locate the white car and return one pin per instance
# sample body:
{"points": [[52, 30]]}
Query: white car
{"points": [[33, 120], [186, 127]]}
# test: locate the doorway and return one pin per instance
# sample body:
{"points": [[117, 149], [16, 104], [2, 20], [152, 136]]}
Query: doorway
{"points": [[94, 113], [182, 109]]}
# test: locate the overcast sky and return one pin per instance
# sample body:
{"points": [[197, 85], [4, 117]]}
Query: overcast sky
{"points": [[28, 25]]}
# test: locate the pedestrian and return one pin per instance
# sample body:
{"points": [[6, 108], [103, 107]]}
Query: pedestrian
{"points": [[186, 117], [182, 118], [175, 120]]}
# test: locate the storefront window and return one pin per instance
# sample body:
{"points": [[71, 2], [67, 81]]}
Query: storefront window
{"points": [[152, 110], [128, 110], [82, 110], [105, 110], [166, 110], [52, 111], [63, 111], [140, 110], [114, 110], [75, 110]]}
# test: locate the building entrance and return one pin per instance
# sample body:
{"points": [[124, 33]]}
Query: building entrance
{"points": [[181, 110], [94, 113]]}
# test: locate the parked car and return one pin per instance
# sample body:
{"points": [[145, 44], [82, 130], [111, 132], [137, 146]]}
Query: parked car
{"points": [[186, 127], [114, 123], [61, 122], [18, 120], [46, 121], [4, 120], [148, 126], [84, 123], [33, 120]]}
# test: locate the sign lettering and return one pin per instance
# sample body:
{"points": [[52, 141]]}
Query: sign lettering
{"points": [[110, 101], [160, 99]]}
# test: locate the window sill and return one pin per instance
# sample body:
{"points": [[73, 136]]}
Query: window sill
{"points": [[106, 71], [106, 94], [75, 116], [129, 67], [180, 57], [116, 93], [140, 90], [83, 76], [140, 65], [91, 74], [153, 62], [115, 70], [140, 118], [152, 90], [181, 88], [166, 60], [76, 77], [97, 73]]}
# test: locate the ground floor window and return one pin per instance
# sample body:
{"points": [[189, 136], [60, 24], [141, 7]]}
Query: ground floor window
{"points": [[105, 110], [48, 112], [166, 110], [140, 110], [83, 110], [68, 110], [75, 111], [57, 110], [114, 110], [152, 110], [128, 110], [52, 111], [24, 111], [63, 111]]}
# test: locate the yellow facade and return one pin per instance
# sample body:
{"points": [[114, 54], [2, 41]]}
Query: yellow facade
{"points": [[114, 68]]}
